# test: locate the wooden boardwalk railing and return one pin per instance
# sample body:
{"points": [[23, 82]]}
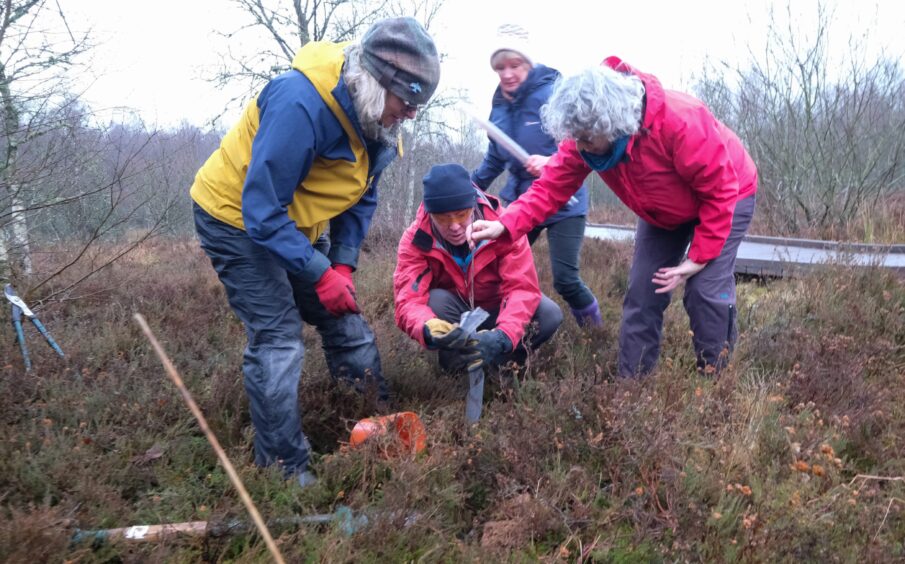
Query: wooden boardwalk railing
{"points": [[782, 256]]}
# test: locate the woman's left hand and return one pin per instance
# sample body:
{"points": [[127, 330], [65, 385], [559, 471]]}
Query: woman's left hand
{"points": [[671, 277], [535, 164], [483, 229]]}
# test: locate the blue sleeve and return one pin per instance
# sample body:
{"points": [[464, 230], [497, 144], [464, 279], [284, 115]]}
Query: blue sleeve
{"points": [[492, 166], [283, 150], [348, 229]]}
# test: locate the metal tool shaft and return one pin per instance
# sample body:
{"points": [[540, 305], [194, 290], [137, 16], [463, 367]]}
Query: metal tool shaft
{"points": [[474, 401]]}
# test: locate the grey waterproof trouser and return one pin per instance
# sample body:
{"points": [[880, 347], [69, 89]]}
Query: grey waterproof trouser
{"points": [[449, 307], [709, 296], [272, 304]]}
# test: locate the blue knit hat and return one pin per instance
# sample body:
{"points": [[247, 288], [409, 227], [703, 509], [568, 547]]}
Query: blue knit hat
{"points": [[447, 187]]}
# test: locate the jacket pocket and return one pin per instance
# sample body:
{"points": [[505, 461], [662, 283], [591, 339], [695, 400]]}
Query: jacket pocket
{"points": [[418, 280]]}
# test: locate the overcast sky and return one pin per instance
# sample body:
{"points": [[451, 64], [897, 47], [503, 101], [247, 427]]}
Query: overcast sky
{"points": [[152, 56]]}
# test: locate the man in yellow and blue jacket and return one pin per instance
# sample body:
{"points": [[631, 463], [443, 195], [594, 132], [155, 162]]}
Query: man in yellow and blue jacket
{"points": [[303, 162]]}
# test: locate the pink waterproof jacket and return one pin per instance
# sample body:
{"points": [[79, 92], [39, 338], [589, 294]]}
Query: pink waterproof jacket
{"points": [[501, 272], [682, 166]]}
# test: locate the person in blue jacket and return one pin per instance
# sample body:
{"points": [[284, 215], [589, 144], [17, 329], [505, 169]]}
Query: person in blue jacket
{"points": [[525, 87], [305, 158]]}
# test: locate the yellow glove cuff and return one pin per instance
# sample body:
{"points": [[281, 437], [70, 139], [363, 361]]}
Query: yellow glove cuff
{"points": [[438, 327]]}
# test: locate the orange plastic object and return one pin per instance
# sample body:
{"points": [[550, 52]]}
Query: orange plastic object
{"points": [[406, 425]]}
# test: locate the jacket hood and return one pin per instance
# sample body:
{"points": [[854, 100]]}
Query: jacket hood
{"points": [[317, 54], [654, 96]]}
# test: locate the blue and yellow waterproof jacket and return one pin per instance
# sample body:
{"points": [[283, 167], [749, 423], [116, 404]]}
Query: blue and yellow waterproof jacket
{"points": [[296, 162]]}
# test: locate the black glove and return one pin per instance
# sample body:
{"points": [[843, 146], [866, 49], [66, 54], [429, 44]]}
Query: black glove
{"points": [[439, 334], [486, 349]]}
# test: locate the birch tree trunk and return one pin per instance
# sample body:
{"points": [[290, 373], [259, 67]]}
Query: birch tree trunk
{"points": [[18, 238], [409, 213], [16, 251]]}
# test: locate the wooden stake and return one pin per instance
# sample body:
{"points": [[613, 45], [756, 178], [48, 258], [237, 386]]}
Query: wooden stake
{"points": [[212, 439], [146, 533]]}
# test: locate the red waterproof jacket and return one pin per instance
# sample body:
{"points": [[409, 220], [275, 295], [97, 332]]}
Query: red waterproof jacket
{"points": [[501, 272], [683, 165]]}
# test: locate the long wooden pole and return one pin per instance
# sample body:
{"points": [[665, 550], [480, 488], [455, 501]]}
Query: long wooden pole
{"points": [[212, 439]]}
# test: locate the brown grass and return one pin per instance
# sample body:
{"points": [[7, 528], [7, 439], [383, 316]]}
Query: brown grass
{"points": [[566, 464]]}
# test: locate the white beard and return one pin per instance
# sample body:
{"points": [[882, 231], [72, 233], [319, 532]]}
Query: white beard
{"points": [[386, 135]]}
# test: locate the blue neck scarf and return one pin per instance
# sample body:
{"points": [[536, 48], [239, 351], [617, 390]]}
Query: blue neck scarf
{"points": [[601, 163]]}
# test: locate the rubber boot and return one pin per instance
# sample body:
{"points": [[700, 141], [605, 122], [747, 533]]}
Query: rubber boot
{"points": [[306, 479], [588, 316]]}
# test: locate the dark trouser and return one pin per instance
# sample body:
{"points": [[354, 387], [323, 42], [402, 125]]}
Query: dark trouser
{"points": [[450, 307], [565, 238], [709, 296], [272, 304]]}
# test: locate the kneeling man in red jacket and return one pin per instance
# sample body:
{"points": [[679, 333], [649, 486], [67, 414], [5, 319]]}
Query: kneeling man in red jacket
{"points": [[438, 277]]}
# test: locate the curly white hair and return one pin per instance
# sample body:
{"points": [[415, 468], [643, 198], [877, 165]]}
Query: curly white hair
{"points": [[595, 103]]}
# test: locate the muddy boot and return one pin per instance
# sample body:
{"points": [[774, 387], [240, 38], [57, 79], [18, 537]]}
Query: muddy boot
{"points": [[588, 316]]}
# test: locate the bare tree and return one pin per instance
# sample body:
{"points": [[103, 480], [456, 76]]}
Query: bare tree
{"points": [[90, 195], [425, 146], [36, 48], [278, 28], [826, 132], [74, 196]]}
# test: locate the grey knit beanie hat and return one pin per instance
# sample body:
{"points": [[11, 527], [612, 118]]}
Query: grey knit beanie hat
{"points": [[401, 55]]}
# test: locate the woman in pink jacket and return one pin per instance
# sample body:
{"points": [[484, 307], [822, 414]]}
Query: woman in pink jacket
{"points": [[687, 177]]}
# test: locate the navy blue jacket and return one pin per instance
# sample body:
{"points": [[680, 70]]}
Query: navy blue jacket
{"points": [[520, 120]]}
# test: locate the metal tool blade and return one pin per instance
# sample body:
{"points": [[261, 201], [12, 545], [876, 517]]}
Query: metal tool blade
{"points": [[497, 135], [474, 401], [16, 300]]}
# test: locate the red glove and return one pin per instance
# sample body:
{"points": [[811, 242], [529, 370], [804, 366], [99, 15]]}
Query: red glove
{"points": [[336, 293], [346, 271]]}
